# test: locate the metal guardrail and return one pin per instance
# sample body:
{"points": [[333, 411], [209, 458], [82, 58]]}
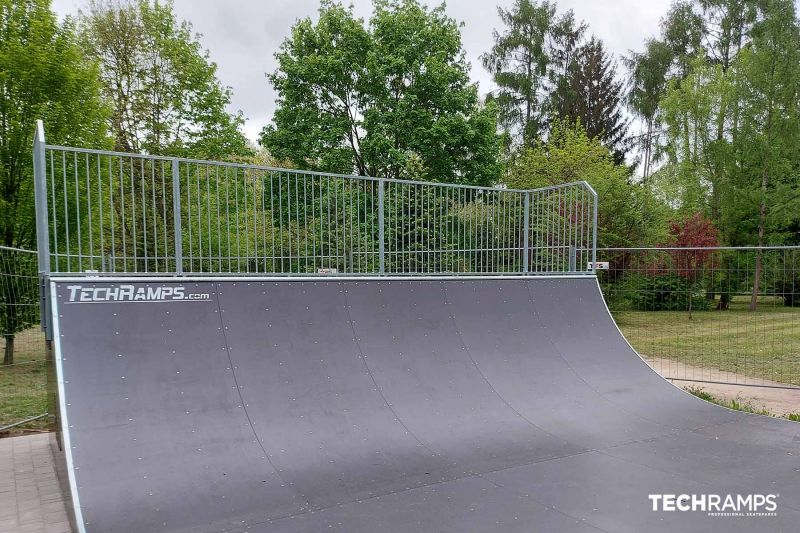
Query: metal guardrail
{"points": [[112, 212]]}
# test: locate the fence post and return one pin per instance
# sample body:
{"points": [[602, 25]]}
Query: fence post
{"points": [[381, 232], [176, 215], [42, 227], [594, 230], [573, 253], [526, 233]]}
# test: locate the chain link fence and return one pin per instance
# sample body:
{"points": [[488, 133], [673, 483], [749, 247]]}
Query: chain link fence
{"points": [[714, 315], [23, 372]]}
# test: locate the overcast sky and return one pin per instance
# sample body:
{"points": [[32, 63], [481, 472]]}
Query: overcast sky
{"points": [[242, 36]]}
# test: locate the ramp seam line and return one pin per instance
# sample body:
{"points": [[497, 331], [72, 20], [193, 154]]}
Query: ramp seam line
{"points": [[372, 377], [535, 312], [486, 380], [244, 405]]}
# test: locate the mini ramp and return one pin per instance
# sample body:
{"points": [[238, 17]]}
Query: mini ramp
{"points": [[452, 405]]}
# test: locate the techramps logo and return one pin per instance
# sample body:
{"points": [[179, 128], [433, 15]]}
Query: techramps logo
{"points": [[720, 505], [132, 293]]}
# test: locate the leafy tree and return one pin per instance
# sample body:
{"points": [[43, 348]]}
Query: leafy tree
{"points": [[647, 83], [43, 74], [692, 231], [768, 90], [534, 52], [628, 213], [690, 110], [592, 94], [160, 83], [381, 100]]}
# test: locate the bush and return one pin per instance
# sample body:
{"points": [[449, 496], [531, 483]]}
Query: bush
{"points": [[667, 292]]}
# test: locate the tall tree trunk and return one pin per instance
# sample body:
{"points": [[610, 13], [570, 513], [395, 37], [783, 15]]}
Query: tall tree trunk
{"points": [[762, 222], [8, 353]]}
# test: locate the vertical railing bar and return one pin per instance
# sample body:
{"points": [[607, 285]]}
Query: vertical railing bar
{"points": [[54, 213], [263, 187], [133, 220], [208, 219], [102, 214], [144, 214], [89, 212], [381, 227], [219, 221], [176, 216], [525, 238], [165, 264], [68, 256], [199, 231]]}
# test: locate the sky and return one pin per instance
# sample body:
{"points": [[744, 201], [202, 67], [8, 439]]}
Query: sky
{"points": [[243, 35]]}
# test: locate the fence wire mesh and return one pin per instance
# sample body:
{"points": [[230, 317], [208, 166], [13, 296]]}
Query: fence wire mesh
{"points": [[124, 213], [23, 392], [726, 315]]}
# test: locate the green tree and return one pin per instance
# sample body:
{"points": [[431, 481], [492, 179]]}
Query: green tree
{"points": [[519, 62], [382, 99], [695, 178], [43, 74], [160, 83], [768, 90], [592, 94], [628, 214], [647, 83]]}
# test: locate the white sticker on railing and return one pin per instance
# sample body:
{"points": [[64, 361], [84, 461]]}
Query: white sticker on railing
{"points": [[598, 265]]}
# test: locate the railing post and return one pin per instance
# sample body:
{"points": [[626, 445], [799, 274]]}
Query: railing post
{"points": [[42, 226], [594, 231], [573, 257], [381, 230], [176, 216], [526, 233]]}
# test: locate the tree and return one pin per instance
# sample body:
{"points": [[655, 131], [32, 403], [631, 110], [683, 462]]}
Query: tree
{"points": [[521, 60], [696, 166], [768, 91], [692, 231], [160, 83], [628, 214], [647, 83], [382, 99], [591, 93], [43, 74]]}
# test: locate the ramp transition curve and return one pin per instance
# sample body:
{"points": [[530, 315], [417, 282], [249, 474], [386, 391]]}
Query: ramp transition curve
{"points": [[447, 405]]}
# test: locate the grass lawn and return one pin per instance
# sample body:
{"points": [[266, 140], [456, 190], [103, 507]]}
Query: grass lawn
{"points": [[23, 385], [761, 344]]}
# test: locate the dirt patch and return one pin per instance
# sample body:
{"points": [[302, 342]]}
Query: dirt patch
{"points": [[777, 401]]}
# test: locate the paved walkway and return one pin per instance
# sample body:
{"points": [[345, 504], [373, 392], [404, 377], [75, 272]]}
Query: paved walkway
{"points": [[30, 496]]}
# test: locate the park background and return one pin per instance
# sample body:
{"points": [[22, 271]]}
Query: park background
{"points": [[690, 140]]}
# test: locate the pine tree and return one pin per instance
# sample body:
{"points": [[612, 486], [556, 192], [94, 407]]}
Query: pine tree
{"points": [[592, 95]]}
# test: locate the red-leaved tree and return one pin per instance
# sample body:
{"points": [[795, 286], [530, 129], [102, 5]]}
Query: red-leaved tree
{"points": [[696, 233]]}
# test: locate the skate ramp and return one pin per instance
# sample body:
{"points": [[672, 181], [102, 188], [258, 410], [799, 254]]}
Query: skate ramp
{"points": [[389, 405]]}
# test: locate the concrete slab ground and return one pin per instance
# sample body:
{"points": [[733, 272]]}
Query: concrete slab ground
{"points": [[31, 500]]}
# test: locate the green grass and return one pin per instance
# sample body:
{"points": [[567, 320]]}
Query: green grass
{"points": [[738, 404], [761, 344], [23, 385]]}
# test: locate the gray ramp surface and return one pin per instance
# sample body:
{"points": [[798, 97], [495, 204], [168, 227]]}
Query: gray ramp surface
{"points": [[450, 405]]}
